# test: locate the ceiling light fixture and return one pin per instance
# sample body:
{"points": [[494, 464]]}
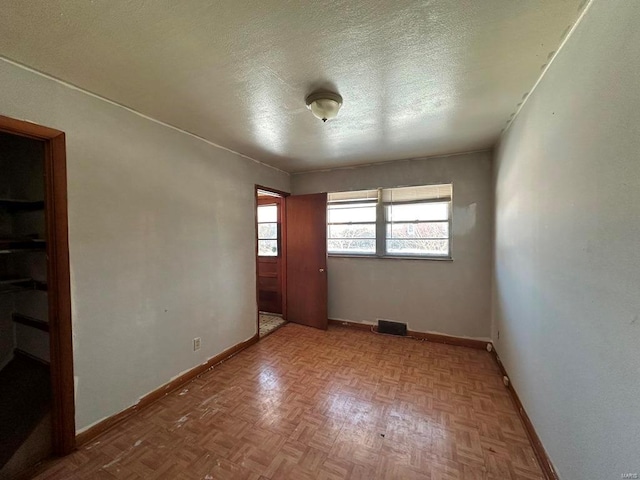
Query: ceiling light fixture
{"points": [[324, 105]]}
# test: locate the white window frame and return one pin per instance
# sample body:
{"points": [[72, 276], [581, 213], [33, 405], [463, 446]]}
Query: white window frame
{"points": [[381, 227]]}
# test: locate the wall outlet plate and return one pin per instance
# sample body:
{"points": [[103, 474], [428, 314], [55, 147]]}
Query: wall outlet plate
{"points": [[196, 344]]}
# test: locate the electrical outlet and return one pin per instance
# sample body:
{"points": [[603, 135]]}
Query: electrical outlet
{"points": [[196, 344]]}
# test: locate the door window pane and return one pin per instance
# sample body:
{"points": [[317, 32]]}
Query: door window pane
{"points": [[267, 213], [268, 248], [268, 231]]}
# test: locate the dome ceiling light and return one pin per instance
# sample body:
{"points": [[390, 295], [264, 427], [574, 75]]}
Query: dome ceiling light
{"points": [[324, 105]]}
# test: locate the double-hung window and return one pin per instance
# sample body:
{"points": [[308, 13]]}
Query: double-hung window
{"points": [[391, 222], [352, 222], [418, 220]]}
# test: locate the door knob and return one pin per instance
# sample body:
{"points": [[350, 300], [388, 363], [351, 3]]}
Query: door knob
{"points": [[321, 270]]}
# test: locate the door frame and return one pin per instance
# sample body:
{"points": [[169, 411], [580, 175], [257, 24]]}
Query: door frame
{"points": [[283, 249], [58, 278]]}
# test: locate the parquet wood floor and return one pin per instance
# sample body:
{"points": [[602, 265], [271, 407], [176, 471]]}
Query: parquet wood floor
{"points": [[309, 404]]}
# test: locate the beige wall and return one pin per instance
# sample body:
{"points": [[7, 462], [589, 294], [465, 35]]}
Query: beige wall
{"points": [[431, 296], [162, 242], [567, 249]]}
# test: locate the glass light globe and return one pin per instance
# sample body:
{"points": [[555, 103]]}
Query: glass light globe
{"points": [[324, 106]]}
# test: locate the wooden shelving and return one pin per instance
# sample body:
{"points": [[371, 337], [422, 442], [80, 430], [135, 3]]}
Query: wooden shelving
{"points": [[14, 245], [30, 321], [20, 284], [11, 281], [21, 205]]}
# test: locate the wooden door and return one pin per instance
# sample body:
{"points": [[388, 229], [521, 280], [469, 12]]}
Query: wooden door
{"points": [[306, 259], [270, 255]]}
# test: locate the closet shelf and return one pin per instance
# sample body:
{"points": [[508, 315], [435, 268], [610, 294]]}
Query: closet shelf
{"points": [[17, 285], [30, 321], [9, 281], [21, 205], [12, 245]]}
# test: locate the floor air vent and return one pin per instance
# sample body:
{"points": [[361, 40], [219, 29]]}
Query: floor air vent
{"points": [[392, 328]]}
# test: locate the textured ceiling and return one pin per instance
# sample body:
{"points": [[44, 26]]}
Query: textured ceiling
{"points": [[418, 77]]}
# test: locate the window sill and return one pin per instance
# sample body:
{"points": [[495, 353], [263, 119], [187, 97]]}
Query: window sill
{"points": [[390, 257]]}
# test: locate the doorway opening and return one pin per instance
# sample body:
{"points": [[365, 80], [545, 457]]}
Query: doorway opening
{"points": [[270, 260], [36, 356]]}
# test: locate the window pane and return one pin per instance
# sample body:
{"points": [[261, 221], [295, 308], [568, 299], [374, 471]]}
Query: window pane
{"points": [[355, 245], [416, 221], [418, 247], [268, 231], [418, 230], [267, 213], [353, 212], [413, 212], [353, 231], [268, 248]]}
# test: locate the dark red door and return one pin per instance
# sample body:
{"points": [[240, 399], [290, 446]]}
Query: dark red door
{"points": [[270, 255], [306, 238]]}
